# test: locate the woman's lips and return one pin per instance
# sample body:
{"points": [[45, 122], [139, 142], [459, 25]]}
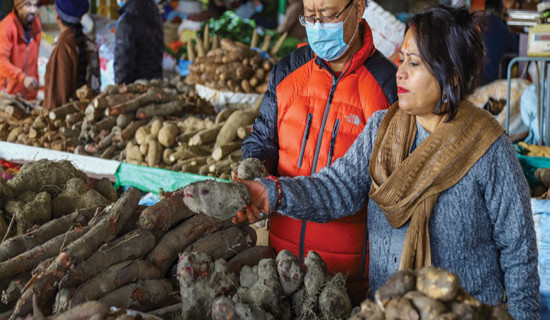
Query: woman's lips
{"points": [[402, 90]]}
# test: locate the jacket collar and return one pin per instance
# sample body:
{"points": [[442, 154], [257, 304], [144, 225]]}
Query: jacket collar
{"points": [[358, 58], [35, 26]]}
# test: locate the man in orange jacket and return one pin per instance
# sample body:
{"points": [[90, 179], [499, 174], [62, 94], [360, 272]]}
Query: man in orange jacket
{"points": [[19, 44], [318, 100]]}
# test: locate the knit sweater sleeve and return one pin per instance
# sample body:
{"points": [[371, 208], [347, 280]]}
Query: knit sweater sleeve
{"points": [[508, 203], [334, 192]]}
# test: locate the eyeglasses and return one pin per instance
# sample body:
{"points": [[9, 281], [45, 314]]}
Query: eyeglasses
{"points": [[322, 20]]}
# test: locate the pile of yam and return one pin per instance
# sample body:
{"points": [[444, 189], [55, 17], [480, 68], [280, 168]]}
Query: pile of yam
{"points": [[227, 65], [102, 126], [427, 293], [260, 288], [119, 254], [193, 145], [157, 123], [44, 190]]}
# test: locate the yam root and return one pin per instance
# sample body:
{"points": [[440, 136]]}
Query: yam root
{"points": [[224, 308], [224, 114], [106, 189], [401, 308], [45, 175], [13, 291], [165, 109], [205, 136], [244, 132], [132, 245], [88, 310], [428, 308], [315, 277], [201, 280], [397, 286], [217, 199], [266, 292], [167, 135], [61, 112], [114, 277], [37, 236], [131, 129], [334, 302], [290, 272], [36, 212], [250, 169], [177, 239], [165, 214], [225, 244], [154, 153], [153, 95], [250, 257], [438, 283], [76, 196], [142, 295], [105, 230], [29, 259], [238, 119], [222, 151], [369, 310]]}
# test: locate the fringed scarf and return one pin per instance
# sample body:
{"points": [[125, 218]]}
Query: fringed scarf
{"points": [[406, 186]]}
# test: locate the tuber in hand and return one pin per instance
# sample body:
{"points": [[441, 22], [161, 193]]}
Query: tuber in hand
{"points": [[216, 199]]}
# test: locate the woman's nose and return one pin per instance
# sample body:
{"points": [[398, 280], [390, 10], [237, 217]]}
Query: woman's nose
{"points": [[401, 74]]}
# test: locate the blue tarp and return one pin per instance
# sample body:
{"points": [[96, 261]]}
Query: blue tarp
{"points": [[541, 208]]}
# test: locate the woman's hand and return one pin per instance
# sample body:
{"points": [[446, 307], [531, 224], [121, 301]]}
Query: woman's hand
{"points": [[258, 208]]}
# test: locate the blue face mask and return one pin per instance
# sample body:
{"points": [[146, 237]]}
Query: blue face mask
{"points": [[259, 8], [328, 41], [121, 3]]}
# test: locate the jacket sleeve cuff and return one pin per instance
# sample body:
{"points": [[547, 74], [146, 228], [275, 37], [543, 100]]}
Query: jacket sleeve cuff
{"points": [[20, 77], [271, 192]]}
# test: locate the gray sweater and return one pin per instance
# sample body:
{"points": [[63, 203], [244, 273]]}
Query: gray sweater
{"points": [[481, 228]]}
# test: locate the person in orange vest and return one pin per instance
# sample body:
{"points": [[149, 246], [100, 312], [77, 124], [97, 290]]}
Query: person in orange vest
{"points": [[318, 100], [19, 44]]}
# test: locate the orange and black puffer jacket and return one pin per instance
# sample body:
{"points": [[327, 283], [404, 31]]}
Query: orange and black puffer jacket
{"points": [[308, 118]]}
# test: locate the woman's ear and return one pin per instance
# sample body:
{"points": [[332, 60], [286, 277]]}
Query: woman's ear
{"points": [[359, 9]]}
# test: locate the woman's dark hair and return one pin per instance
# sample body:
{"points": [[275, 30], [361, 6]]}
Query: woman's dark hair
{"points": [[450, 44], [82, 55], [494, 7]]}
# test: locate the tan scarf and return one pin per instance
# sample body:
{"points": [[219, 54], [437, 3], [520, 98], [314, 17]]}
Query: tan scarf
{"points": [[406, 186]]}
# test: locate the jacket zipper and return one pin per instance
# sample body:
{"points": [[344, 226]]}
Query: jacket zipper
{"points": [[304, 139], [301, 252], [333, 141], [318, 149]]}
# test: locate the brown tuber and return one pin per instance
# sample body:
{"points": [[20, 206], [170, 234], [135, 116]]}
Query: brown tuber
{"points": [[76, 196]]}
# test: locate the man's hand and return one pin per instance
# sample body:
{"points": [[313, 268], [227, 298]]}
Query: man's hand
{"points": [[258, 208], [30, 83]]}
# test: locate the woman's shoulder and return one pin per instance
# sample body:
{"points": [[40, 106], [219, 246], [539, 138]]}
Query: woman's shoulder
{"points": [[376, 118], [502, 147]]}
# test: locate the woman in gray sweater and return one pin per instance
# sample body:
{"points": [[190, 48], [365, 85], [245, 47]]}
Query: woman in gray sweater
{"points": [[444, 184]]}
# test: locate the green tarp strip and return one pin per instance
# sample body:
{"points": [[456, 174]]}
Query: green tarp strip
{"points": [[153, 179], [529, 164]]}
